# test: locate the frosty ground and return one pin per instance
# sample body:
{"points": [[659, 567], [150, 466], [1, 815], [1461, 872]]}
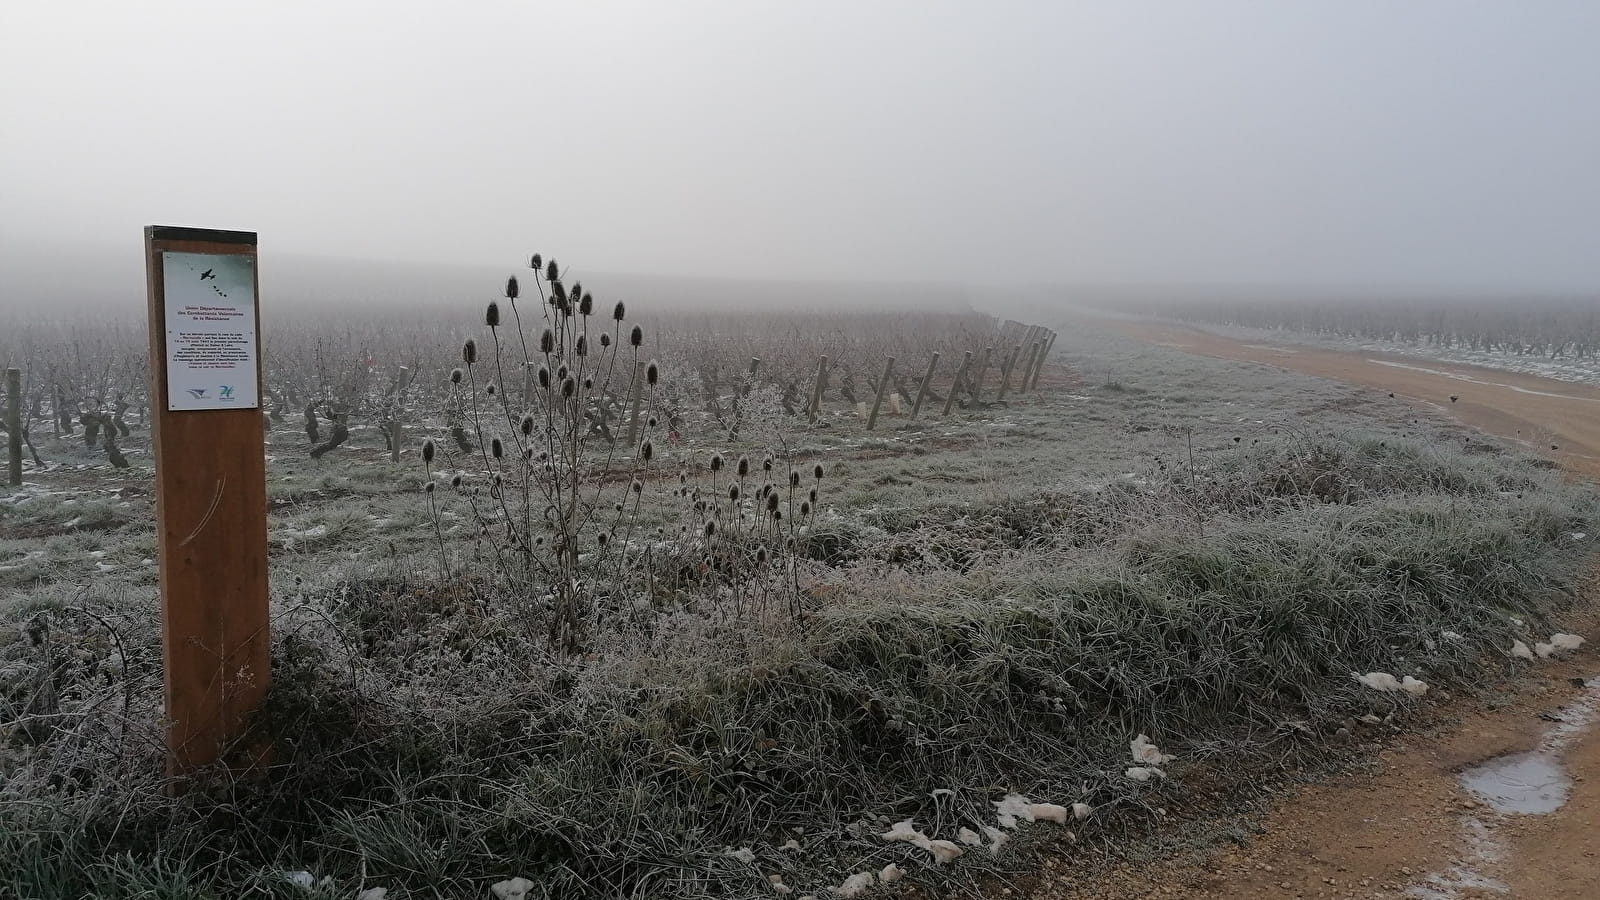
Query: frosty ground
{"points": [[996, 604]]}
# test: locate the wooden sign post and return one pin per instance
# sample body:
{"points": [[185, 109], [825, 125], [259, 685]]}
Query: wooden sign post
{"points": [[211, 490]]}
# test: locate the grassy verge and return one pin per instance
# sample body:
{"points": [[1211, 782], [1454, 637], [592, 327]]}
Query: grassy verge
{"points": [[1012, 642]]}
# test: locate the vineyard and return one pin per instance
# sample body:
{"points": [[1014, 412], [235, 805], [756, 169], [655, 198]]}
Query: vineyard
{"points": [[1538, 326], [90, 382], [578, 598]]}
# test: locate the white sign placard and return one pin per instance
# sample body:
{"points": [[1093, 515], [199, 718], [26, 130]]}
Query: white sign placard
{"points": [[211, 331]]}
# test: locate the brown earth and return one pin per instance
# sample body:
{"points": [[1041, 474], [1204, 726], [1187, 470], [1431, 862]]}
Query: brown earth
{"points": [[1558, 418], [1395, 830]]}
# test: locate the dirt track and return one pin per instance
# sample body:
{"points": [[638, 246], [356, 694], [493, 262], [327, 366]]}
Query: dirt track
{"points": [[1558, 418], [1409, 829]]}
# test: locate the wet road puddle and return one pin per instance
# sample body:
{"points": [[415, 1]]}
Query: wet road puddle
{"points": [[1527, 783], [1533, 783]]}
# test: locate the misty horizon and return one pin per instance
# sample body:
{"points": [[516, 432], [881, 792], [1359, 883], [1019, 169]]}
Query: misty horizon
{"points": [[1430, 146]]}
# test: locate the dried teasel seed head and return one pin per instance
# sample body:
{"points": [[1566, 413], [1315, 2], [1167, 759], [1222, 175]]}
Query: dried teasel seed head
{"points": [[491, 316], [716, 462], [581, 346], [652, 421], [552, 271], [469, 351], [777, 515], [652, 374], [428, 450], [817, 471], [647, 450], [497, 449], [455, 376], [761, 556], [683, 477], [766, 464], [603, 537], [489, 388], [428, 488], [544, 377], [772, 502], [561, 372], [733, 492], [547, 341], [586, 304], [605, 341], [455, 481], [805, 508], [744, 466], [620, 311], [638, 486], [617, 506], [526, 425], [588, 384], [537, 262], [511, 288], [812, 496], [794, 478], [569, 388], [711, 527], [636, 336]]}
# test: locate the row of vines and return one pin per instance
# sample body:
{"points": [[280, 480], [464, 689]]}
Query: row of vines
{"points": [[1548, 327], [90, 381]]}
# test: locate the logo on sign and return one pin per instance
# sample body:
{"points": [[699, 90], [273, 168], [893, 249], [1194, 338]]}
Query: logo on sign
{"points": [[225, 391], [197, 393]]}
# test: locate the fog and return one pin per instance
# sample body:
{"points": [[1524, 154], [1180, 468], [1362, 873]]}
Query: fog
{"points": [[1415, 146]]}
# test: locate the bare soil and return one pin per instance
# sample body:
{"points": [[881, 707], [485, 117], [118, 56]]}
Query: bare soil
{"points": [[1558, 418], [1406, 827]]}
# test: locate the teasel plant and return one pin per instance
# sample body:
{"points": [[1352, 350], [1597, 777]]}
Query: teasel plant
{"points": [[543, 455], [743, 533]]}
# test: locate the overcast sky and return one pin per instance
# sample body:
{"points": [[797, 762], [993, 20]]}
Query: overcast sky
{"points": [[1392, 141]]}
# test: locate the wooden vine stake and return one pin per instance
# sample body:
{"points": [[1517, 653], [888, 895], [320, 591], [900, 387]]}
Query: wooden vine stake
{"points": [[1044, 354], [1027, 370], [636, 405], [955, 386], [211, 493], [817, 388], [927, 379], [1005, 370], [983, 369], [883, 387], [14, 426]]}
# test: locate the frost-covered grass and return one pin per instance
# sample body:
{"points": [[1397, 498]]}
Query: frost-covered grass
{"points": [[1002, 614]]}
